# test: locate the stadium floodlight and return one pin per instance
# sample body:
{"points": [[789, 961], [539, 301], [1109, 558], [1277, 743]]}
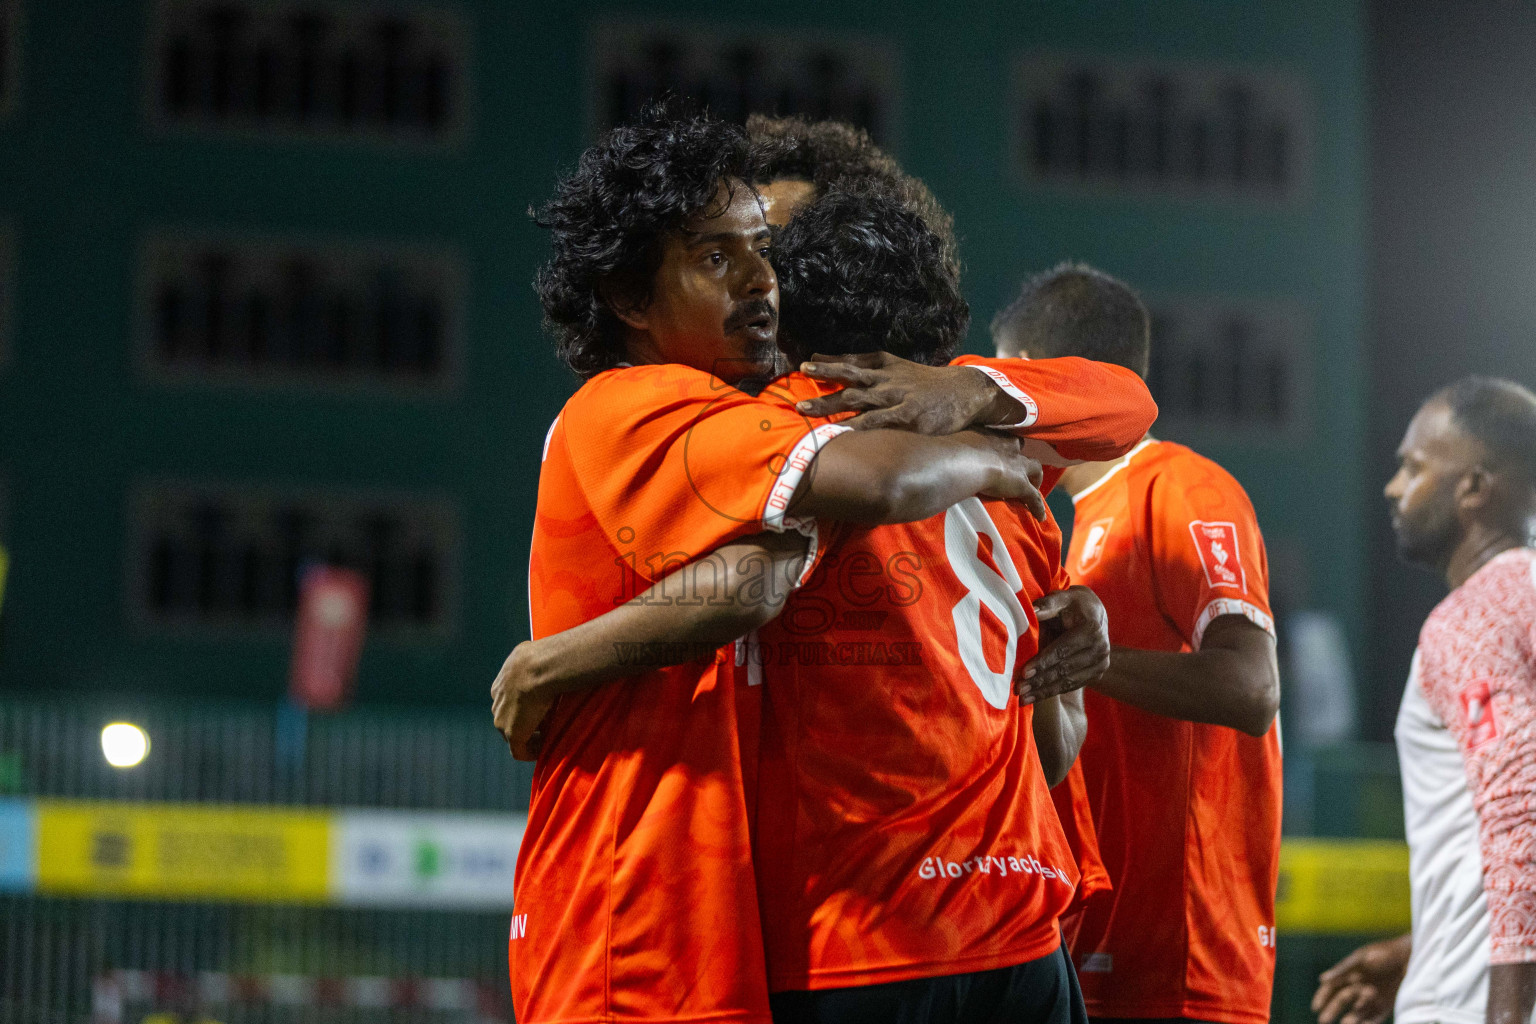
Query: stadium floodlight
{"points": [[124, 744]]}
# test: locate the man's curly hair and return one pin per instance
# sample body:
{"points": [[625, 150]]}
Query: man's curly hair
{"points": [[609, 218], [828, 152], [860, 271]]}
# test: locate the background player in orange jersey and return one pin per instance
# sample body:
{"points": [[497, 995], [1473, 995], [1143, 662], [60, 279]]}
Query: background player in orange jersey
{"points": [[635, 891], [862, 925], [1182, 760]]}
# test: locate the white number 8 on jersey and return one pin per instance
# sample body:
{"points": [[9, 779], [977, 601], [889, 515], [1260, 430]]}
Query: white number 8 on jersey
{"points": [[963, 526]]}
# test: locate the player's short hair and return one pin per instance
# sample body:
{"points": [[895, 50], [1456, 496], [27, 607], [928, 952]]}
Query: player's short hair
{"points": [[609, 218], [1502, 415], [827, 152], [1074, 310], [860, 271]]}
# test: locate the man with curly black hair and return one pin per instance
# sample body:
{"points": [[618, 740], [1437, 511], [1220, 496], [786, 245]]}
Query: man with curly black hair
{"points": [[867, 273], [658, 215], [635, 890]]}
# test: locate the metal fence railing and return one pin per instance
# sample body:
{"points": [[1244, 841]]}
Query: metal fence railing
{"points": [[100, 958], [65, 961], [122, 961], [243, 754]]}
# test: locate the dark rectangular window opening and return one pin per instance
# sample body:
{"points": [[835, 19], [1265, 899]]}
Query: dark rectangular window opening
{"points": [[273, 312], [220, 557], [332, 70], [735, 73], [1229, 367], [1193, 130]]}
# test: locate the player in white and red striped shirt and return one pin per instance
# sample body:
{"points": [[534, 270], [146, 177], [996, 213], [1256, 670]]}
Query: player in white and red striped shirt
{"points": [[1464, 503]]}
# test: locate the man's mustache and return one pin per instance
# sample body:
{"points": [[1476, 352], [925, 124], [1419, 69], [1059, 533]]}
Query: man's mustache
{"points": [[753, 309]]}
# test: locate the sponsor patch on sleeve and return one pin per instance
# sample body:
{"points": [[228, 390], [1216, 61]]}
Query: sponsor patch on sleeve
{"points": [[1217, 544], [1477, 713]]}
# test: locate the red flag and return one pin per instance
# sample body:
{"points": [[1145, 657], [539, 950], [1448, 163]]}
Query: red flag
{"points": [[327, 637]]}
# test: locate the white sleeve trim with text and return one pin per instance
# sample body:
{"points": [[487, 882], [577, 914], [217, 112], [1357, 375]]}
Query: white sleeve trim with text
{"points": [[1231, 606], [1031, 407], [788, 482]]}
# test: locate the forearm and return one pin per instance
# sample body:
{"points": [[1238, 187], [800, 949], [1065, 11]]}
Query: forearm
{"points": [[890, 476], [1511, 993], [1215, 686], [1086, 411], [1060, 726], [627, 641], [679, 619]]}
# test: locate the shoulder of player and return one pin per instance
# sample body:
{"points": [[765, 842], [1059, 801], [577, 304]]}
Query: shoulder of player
{"points": [[1186, 467], [641, 391], [1505, 588], [1499, 599], [796, 387]]}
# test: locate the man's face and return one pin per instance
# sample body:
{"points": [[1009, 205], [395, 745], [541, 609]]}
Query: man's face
{"points": [[1433, 458], [784, 198], [715, 300]]}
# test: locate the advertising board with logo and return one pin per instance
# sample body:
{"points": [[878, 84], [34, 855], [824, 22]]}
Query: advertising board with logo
{"points": [[1342, 887], [169, 850], [406, 858]]}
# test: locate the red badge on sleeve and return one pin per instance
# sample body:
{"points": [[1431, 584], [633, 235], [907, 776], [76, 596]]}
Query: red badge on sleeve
{"points": [[1217, 544], [1477, 712]]}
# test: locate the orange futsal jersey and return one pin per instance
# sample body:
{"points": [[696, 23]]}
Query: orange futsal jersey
{"points": [[1188, 815], [905, 828], [635, 897], [1071, 799]]}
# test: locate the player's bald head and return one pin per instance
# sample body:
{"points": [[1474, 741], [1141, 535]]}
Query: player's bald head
{"points": [[1074, 310], [1500, 416]]}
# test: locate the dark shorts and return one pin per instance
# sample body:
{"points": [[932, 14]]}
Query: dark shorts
{"points": [[1042, 991]]}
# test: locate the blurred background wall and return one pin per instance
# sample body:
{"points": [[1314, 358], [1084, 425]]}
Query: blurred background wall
{"points": [[1452, 224], [265, 300], [210, 209]]}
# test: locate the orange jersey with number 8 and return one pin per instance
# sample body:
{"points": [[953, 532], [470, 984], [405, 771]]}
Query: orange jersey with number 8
{"points": [[904, 825]]}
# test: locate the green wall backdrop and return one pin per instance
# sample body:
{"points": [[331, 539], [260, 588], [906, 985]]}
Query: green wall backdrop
{"points": [[85, 177]]}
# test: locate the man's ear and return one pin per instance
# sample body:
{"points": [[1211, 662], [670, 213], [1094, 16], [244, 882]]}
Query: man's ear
{"points": [[626, 305], [1474, 490]]}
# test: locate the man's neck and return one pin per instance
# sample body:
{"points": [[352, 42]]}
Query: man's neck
{"points": [[1077, 479], [640, 349], [1481, 545]]}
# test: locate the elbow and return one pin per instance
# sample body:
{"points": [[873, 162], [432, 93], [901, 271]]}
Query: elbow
{"points": [[1149, 414], [758, 614], [1262, 707], [891, 501], [754, 603], [888, 498]]}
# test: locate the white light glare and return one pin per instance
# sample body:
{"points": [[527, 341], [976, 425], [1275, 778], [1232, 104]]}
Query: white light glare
{"points": [[124, 744]]}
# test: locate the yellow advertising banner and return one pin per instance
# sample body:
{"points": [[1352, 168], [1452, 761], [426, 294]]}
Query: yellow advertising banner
{"points": [[256, 854], [1342, 887]]}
